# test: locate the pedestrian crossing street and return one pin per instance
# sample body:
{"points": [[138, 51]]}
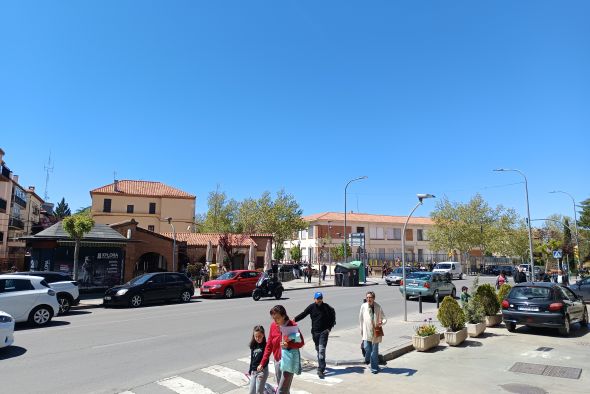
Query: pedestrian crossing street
{"points": [[231, 378]]}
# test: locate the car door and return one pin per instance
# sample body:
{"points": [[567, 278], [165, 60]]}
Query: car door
{"points": [[583, 289], [17, 297], [174, 285], [155, 288], [575, 304], [241, 283]]}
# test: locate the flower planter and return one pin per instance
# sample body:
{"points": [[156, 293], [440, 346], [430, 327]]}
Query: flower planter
{"points": [[492, 321], [422, 344], [454, 338], [475, 330]]}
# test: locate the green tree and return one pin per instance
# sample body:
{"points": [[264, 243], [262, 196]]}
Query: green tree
{"points": [[77, 226], [278, 252], [283, 217], [62, 209], [221, 213], [296, 253], [83, 211], [584, 218], [248, 218], [338, 252]]}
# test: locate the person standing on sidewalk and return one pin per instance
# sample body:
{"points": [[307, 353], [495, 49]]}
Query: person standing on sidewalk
{"points": [[323, 319], [324, 270], [371, 320], [275, 343]]}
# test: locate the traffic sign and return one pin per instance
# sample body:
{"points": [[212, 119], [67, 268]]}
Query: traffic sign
{"points": [[557, 254]]}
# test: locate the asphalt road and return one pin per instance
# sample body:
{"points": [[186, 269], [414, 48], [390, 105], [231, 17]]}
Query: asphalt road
{"points": [[111, 350]]}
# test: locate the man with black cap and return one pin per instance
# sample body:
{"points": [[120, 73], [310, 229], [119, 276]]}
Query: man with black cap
{"points": [[323, 319]]}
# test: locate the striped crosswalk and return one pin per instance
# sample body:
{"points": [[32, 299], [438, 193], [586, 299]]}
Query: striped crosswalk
{"points": [[227, 378]]}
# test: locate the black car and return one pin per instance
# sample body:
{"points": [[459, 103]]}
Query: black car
{"points": [[147, 288], [543, 304]]}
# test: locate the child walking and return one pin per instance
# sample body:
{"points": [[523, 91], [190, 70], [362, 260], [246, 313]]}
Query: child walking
{"points": [[257, 345]]}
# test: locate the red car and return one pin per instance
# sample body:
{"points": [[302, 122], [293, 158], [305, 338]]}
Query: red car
{"points": [[230, 284]]}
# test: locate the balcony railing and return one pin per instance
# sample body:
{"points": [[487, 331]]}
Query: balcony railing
{"points": [[4, 173], [19, 201], [16, 223], [3, 205]]}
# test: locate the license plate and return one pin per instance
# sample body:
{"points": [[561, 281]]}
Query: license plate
{"points": [[528, 308], [413, 284], [205, 290], [108, 298]]}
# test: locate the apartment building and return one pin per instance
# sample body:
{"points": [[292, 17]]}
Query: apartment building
{"points": [[148, 203], [377, 236]]}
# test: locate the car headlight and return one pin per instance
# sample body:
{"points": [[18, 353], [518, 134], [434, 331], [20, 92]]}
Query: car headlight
{"points": [[5, 319], [215, 286], [122, 292]]}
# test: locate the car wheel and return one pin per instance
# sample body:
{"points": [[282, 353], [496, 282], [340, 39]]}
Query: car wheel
{"points": [[136, 301], [510, 326], [228, 293], [185, 296], [40, 316], [565, 330], [407, 297], [389, 283], [461, 276], [435, 295], [454, 293], [584, 321], [64, 303]]}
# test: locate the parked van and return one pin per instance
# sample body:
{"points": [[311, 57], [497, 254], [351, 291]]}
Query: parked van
{"points": [[450, 267]]}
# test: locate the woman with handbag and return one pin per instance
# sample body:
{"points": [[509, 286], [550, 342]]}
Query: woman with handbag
{"points": [[371, 320]]}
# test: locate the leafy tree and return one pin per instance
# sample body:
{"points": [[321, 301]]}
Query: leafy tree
{"points": [[77, 226], [62, 209], [568, 245], [83, 211], [338, 252], [230, 244], [278, 252], [248, 218], [584, 218], [296, 253], [221, 213]]}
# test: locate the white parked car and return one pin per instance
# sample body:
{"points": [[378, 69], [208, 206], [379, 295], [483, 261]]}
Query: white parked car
{"points": [[28, 298], [68, 293], [6, 329], [450, 267]]}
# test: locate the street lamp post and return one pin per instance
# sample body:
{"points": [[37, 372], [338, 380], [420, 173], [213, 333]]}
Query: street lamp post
{"points": [[346, 187], [528, 212], [421, 197], [575, 226], [173, 244], [330, 247]]}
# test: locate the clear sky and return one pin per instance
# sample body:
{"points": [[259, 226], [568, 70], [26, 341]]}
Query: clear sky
{"points": [[420, 96]]}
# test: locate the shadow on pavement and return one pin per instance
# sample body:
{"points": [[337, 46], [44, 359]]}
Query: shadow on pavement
{"points": [[11, 352], [25, 326], [76, 313], [577, 331], [399, 371], [470, 343], [345, 371]]}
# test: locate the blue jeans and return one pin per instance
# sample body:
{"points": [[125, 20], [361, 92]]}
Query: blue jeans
{"points": [[372, 355], [320, 339]]}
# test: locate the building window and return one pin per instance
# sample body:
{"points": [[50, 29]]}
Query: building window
{"points": [[376, 233], [151, 228], [409, 234], [397, 234], [420, 255], [419, 235], [152, 208], [1, 237], [360, 230], [310, 232], [106, 206], [389, 233], [129, 208], [303, 234]]}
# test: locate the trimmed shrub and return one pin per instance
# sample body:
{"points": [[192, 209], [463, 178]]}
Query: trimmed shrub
{"points": [[474, 311], [450, 314], [503, 292], [489, 300]]}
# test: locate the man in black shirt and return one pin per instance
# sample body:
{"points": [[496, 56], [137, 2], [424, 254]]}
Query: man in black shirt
{"points": [[323, 319]]}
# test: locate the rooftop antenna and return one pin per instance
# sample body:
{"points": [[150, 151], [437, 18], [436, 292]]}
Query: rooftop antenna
{"points": [[48, 170]]}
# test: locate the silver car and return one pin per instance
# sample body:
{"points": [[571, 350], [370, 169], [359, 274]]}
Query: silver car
{"points": [[582, 289]]}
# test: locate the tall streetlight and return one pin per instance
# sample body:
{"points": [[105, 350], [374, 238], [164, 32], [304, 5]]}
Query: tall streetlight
{"points": [[173, 244], [421, 197], [575, 225], [346, 187], [528, 212], [330, 246]]}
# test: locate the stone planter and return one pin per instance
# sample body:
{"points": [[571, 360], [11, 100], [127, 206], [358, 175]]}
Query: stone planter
{"points": [[423, 344], [475, 330], [454, 338], [492, 321]]}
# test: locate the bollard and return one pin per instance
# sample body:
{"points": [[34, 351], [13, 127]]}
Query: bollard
{"points": [[420, 303], [437, 301]]}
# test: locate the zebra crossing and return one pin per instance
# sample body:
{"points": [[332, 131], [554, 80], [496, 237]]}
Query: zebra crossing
{"points": [[230, 378]]}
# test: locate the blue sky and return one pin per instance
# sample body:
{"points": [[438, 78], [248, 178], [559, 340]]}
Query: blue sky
{"points": [[421, 96]]}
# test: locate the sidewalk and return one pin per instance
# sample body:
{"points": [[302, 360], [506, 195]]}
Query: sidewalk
{"points": [[344, 346], [88, 301]]}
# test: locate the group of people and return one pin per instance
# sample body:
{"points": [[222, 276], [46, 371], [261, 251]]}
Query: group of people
{"points": [[284, 341], [520, 276]]}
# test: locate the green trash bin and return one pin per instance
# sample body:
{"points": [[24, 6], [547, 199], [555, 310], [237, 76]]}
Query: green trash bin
{"points": [[361, 270]]}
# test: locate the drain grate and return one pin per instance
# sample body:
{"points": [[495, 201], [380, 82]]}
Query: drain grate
{"points": [[547, 370], [544, 349]]}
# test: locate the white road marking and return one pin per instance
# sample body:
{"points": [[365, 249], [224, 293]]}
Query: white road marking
{"points": [[183, 386], [126, 342], [305, 376], [127, 392], [228, 374]]}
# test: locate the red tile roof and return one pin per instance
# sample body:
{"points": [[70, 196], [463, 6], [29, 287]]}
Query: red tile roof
{"points": [[366, 217], [142, 188], [201, 239]]}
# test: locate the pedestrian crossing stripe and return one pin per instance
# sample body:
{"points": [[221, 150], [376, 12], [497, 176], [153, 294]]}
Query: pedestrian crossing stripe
{"points": [[184, 386], [231, 375], [305, 376]]}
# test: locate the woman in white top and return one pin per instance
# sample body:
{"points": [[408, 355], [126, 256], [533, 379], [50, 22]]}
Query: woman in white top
{"points": [[371, 316]]}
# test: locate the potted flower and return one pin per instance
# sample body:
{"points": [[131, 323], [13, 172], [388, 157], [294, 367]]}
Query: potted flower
{"points": [[475, 315], [426, 336], [451, 316], [491, 306]]}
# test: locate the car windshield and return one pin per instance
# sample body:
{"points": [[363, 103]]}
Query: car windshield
{"points": [[443, 266], [140, 280], [227, 275], [420, 275], [530, 292], [398, 270]]}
